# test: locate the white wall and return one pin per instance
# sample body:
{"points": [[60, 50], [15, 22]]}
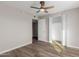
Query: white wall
{"points": [[15, 28], [71, 27], [43, 30]]}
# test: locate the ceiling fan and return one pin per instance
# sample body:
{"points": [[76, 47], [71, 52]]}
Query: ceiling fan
{"points": [[42, 8]]}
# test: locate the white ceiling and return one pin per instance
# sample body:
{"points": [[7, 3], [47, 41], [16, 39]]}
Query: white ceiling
{"points": [[58, 5]]}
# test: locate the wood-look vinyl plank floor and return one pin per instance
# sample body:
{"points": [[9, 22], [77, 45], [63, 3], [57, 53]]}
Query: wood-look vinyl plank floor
{"points": [[40, 49]]}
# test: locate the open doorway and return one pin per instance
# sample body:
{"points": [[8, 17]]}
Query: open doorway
{"points": [[35, 31]]}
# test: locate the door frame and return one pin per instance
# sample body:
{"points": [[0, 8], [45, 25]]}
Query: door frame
{"points": [[64, 19]]}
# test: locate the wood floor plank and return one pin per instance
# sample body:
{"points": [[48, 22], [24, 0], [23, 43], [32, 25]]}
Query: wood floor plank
{"points": [[40, 49]]}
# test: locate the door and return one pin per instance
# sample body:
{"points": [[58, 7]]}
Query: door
{"points": [[43, 30], [57, 29]]}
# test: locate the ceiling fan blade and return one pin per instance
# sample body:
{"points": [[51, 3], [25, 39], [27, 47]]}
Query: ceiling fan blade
{"points": [[38, 11], [49, 7], [35, 7]]}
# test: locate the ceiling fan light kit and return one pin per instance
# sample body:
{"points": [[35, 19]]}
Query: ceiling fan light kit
{"points": [[42, 10]]}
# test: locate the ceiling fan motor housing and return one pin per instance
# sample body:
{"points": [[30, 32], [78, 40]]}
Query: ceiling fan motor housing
{"points": [[42, 3]]}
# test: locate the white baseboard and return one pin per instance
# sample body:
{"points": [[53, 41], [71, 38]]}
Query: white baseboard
{"points": [[73, 47], [15, 48]]}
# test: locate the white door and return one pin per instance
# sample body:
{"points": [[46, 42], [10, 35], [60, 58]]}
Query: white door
{"points": [[43, 30], [57, 29]]}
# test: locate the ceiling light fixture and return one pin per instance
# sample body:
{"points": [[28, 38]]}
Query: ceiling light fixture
{"points": [[42, 10]]}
